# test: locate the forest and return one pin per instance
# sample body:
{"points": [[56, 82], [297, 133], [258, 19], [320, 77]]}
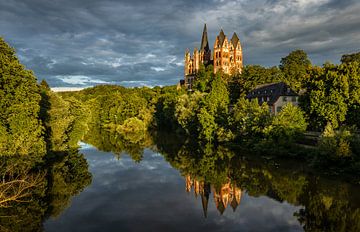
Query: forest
{"points": [[40, 130], [217, 111]]}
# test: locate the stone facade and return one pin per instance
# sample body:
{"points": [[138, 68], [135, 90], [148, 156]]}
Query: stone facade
{"points": [[227, 56]]}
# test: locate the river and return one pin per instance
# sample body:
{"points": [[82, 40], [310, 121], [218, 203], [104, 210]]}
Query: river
{"points": [[178, 187]]}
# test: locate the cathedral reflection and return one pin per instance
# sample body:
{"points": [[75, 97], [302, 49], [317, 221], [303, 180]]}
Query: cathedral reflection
{"points": [[224, 195]]}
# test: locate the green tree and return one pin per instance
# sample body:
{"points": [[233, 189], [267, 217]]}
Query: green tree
{"points": [[186, 109], [348, 58], [253, 75], [294, 66], [250, 118], [20, 125], [330, 92], [287, 125], [208, 126]]}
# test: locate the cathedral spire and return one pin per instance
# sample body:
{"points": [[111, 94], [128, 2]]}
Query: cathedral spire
{"points": [[221, 37], [204, 40], [235, 39]]}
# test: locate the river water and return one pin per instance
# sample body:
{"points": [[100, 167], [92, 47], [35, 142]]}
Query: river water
{"points": [[162, 188]]}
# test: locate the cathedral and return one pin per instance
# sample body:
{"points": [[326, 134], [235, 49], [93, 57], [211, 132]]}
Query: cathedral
{"points": [[226, 57], [224, 195]]}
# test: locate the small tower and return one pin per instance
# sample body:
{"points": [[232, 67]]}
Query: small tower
{"points": [[221, 54], [187, 63], [196, 57], [236, 59]]}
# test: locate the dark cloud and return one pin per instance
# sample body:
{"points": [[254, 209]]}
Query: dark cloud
{"points": [[143, 42]]}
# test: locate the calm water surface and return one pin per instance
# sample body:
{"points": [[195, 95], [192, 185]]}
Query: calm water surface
{"points": [[201, 194]]}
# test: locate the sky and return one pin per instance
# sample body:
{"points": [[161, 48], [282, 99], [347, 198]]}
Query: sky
{"points": [[78, 43]]}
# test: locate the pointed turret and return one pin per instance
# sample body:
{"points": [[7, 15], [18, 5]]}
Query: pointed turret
{"points": [[205, 198], [235, 40], [204, 40], [221, 37], [205, 201], [220, 207], [236, 197]]}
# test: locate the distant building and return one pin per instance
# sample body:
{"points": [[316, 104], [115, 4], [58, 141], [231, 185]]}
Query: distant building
{"points": [[227, 56], [276, 95]]}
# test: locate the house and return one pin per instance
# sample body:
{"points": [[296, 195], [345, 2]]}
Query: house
{"points": [[276, 95]]}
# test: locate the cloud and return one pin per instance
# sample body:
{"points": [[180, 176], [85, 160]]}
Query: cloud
{"points": [[80, 80], [158, 69], [117, 41]]}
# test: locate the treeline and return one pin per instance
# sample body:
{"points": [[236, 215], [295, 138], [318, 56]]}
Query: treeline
{"points": [[33, 120], [40, 166], [217, 111]]}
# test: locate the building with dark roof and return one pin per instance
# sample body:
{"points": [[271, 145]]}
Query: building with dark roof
{"points": [[276, 95]]}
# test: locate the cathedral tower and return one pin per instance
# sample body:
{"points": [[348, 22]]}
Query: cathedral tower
{"points": [[227, 56], [188, 63], [205, 52], [221, 53], [236, 63]]}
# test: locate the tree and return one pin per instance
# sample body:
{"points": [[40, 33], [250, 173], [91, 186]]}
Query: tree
{"points": [[186, 109], [347, 58], [287, 124], [207, 125], [253, 75], [332, 94], [20, 125], [294, 66], [250, 118]]}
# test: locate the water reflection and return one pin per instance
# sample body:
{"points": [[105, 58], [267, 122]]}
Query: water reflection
{"points": [[229, 175], [44, 192], [162, 182], [227, 194]]}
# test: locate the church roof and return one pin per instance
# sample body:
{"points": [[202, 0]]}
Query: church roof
{"points": [[204, 40], [235, 39], [221, 37]]}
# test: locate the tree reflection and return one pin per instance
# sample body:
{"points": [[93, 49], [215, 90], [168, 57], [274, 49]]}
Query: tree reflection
{"points": [[51, 186], [223, 175], [228, 174], [118, 143]]}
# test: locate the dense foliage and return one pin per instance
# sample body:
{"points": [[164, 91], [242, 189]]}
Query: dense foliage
{"points": [[40, 167], [216, 109], [20, 127]]}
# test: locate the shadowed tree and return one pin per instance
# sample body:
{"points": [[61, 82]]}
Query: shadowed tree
{"points": [[20, 126]]}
